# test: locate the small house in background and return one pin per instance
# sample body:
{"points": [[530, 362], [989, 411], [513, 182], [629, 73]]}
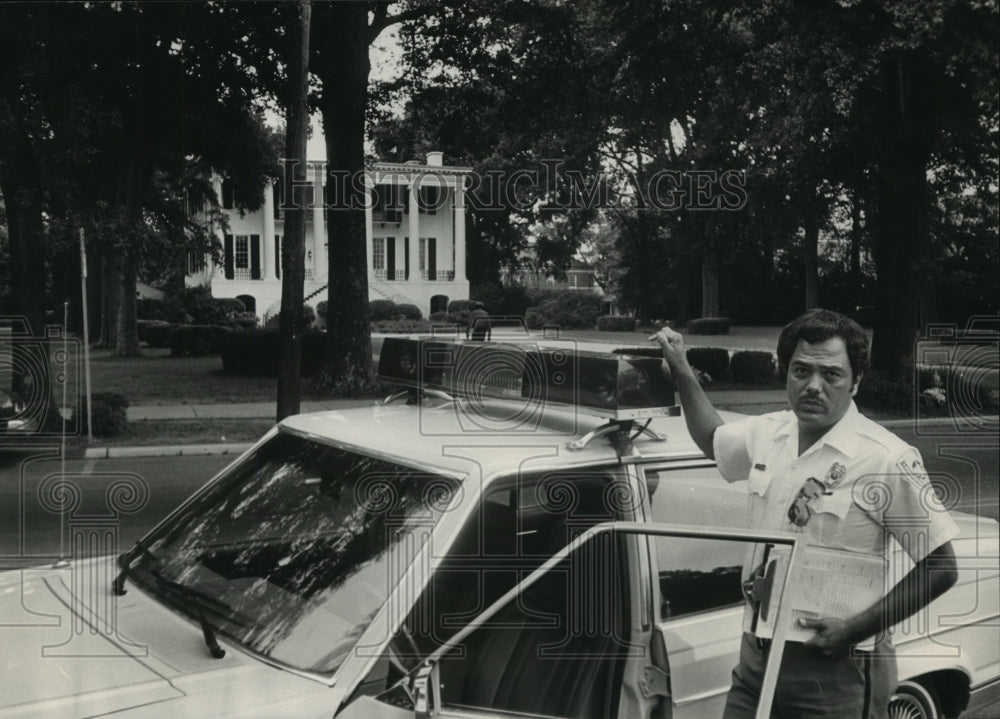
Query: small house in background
{"points": [[415, 237], [580, 275], [146, 292]]}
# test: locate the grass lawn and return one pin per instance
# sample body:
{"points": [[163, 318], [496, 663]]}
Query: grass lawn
{"points": [[158, 378]]}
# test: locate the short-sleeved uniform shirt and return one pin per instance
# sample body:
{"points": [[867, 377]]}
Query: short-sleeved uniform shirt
{"points": [[854, 489]]}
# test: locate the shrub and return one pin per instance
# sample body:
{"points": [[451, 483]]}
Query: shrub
{"points": [[460, 310], [141, 325], [243, 323], [321, 310], [196, 340], [308, 318], [147, 309], [381, 310], [752, 366], [409, 312], [879, 392], [616, 323], [107, 411], [500, 299], [167, 309], [709, 326], [157, 335], [402, 326], [713, 360], [442, 318], [566, 309], [257, 352], [228, 308]]}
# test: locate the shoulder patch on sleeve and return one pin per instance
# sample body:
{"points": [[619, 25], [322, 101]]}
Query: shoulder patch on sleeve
{"points": [[911, 467]]}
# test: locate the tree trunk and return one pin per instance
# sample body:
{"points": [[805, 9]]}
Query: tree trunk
{"points": [[343, 68], [811, 256], [902, 249], [126, 335], [293, 252], [709, 272]]}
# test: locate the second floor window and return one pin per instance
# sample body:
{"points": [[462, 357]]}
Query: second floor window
{"points": [[228, 194]]}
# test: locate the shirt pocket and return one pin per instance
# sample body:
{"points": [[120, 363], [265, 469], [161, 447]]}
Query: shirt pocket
{"points": [[758, 481], [837, 502]]}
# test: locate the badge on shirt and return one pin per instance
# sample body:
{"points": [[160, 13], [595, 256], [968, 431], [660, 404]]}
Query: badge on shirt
{"points": [[833, 476]]}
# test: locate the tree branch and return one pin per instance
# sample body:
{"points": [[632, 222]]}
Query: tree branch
{"points": [[383, 19]]}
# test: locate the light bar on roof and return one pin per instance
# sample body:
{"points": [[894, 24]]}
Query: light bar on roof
{"points": [[615, 386]]}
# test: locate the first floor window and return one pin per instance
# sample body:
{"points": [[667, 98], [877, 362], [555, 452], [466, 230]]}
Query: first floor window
{"points": [[242, 252], [378, 253]]}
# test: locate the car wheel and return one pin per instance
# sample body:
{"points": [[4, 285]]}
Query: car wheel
{"points": [[912, 701]]}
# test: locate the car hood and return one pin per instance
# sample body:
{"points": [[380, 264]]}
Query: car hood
{"points": [[72, 649]]}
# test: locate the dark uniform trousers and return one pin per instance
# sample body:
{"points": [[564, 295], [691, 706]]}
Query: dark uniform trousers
{"points": [[812, 685]]}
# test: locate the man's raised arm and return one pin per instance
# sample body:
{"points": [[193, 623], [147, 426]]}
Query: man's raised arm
{"points": [[700, 415]]}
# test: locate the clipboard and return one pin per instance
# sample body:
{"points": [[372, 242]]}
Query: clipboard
{"points": [[827, 583]]}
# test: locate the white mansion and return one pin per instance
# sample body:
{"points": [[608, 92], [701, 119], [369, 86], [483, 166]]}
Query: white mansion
{"points": [[410, 200]]}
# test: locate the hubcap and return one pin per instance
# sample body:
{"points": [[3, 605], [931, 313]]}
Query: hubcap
{"points": [[902, 706]]}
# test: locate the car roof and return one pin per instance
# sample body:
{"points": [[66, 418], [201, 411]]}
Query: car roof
{"points": [[495, 436]]}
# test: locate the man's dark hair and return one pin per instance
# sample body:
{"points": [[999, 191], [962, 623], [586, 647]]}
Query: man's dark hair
{"points": [[818, 325]]}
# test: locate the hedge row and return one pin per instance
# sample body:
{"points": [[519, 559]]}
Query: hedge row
{"points": [[749, 366], [709, 326], [195, 305], [257, 352], [388, 310]]}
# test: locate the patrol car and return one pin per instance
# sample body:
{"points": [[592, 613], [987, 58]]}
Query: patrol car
{"points": [[521, 531]]}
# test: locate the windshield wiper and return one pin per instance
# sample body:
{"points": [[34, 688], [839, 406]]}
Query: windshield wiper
{"points": [[126, 560], [196, 597]]}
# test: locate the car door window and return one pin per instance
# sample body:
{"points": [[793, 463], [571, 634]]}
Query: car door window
{"points": [[697, 575], [557, 650]]}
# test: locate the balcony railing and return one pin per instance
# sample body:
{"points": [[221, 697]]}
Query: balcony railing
{"points": [[400, 275], [241, 273], [387, 216]]}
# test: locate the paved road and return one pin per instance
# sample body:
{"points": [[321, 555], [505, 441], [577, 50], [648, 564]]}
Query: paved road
{"points": [[31, 484]]}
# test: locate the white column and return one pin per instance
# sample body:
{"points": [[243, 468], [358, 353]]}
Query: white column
{"points": [[459, 238], [414, 232], [369, 233], [319, 223], [267, 245]]}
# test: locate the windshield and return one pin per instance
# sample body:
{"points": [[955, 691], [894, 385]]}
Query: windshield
{"points": [[295, 549]]}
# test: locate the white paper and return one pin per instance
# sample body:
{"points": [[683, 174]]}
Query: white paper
{"points": [[827, 583]]}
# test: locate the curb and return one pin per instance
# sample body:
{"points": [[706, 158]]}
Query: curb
{"points": [[178, 450]]}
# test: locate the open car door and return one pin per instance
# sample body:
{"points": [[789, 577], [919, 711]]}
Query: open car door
{"points": [[550, 646]]}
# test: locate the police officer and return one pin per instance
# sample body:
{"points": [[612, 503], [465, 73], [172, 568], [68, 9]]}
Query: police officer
{"points": [[844, 482]]}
